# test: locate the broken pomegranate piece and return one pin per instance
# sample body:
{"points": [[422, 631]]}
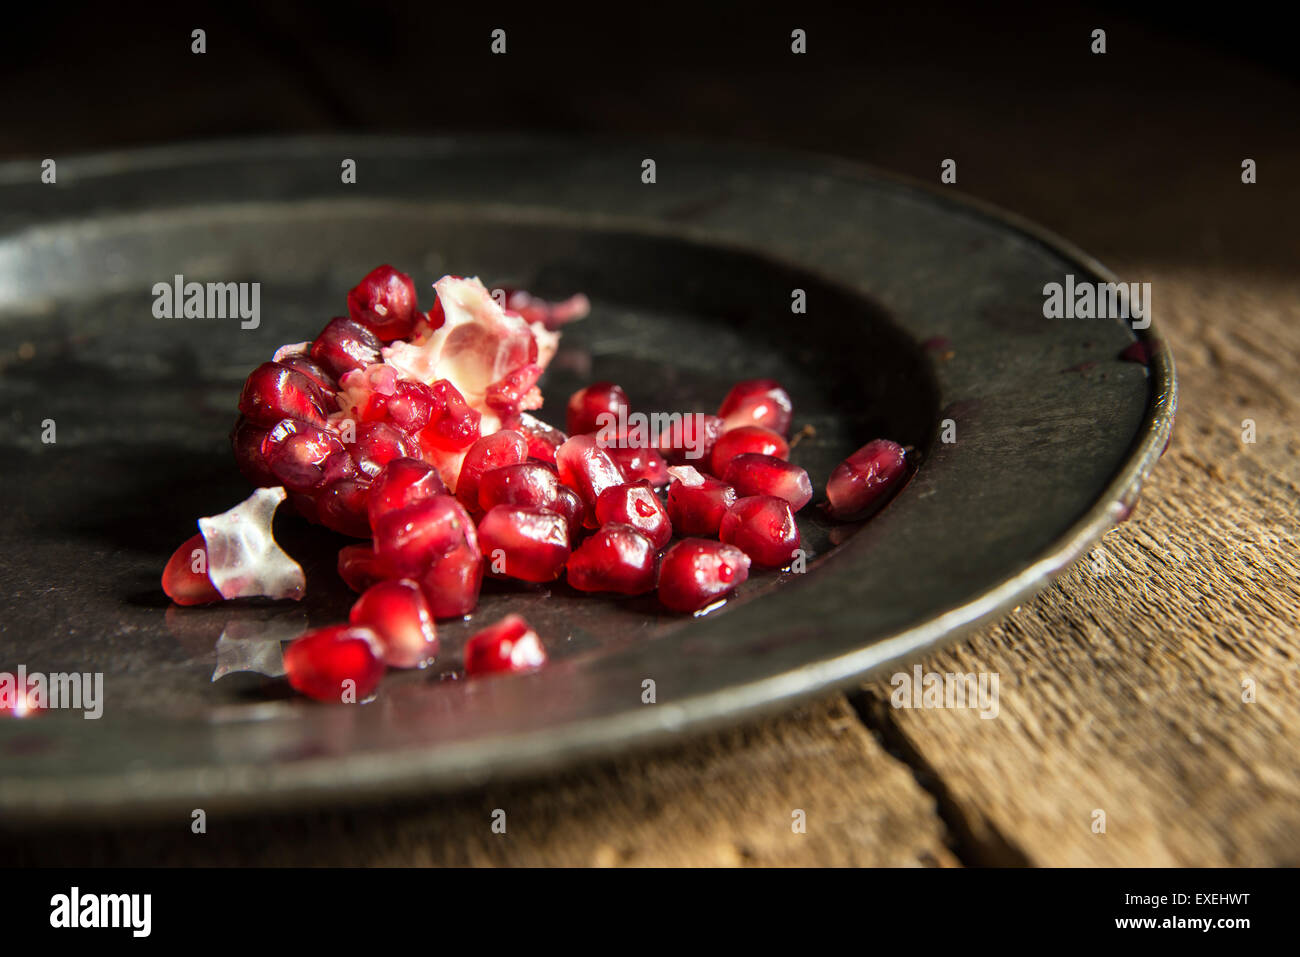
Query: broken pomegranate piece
{"points": [[696, 572], [865, 478], [508, 646], [616, 558], [398, 613], [341, 663], [763, 527], [243, 559]]}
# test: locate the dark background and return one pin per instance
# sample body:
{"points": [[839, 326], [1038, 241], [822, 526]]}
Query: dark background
{"points": [[1013, 94]]}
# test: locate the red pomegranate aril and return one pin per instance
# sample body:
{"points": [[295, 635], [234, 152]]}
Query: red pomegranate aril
{"points": [[696, 504], [455, 425], [312, 370], [527, 484], [409, 540], [342, 505], [398, 613], [616, 558], [385, 303], [696, 572], [378, 444], [411, 406], [635, 504], [516, 388], [246, 440], [185, 578], [344, 345], [865, 478], [753, 474], [543, 440], [339, 663], [589, 408], [569, 504], [746, 439], [296, 453], [358, 566], [763, 527], [453, 581], [530, 544], [403, 482], [273, 392], [490, 452], [640, 464], [762, 402], [690, 439], [587, 469], [510, 645]]}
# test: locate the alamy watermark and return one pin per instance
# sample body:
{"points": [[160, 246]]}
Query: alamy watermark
{"points": [[22, 692], [687, 431], [934, 690], [179, 299], [1098, 300]]}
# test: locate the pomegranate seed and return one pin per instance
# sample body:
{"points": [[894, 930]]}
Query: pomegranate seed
{"points": [[320, 662], [323, 380], [531, 544], [246, 440], [588, 406], [528, 485], [452, 582], [641, 464], [516, 389], [617, 558], [697, 572], [398, 613], [342, 506], [587, 469], [569, 504], [690, 439], [490, 452], [763, 527], [747, 438], [543, 440], [696, 504], [409, 539], [510, 645], [378, 444], [403, 482], [635, 505], [385, 303], [358, 566], [865, 478], [411, 406], [455, 425], [344, 345], [757, 402], [754, 474], [297, 453], [185, 579], [274, 392]]}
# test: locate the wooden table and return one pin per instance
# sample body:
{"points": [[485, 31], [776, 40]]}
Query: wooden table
{"points": [[1122, 683]]}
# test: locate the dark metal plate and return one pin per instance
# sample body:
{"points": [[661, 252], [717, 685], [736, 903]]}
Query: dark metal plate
{"points": [[691, 279]]}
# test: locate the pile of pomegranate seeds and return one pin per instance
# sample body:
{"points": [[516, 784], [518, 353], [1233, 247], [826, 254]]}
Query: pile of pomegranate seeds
{"points": [[412, 431]]}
